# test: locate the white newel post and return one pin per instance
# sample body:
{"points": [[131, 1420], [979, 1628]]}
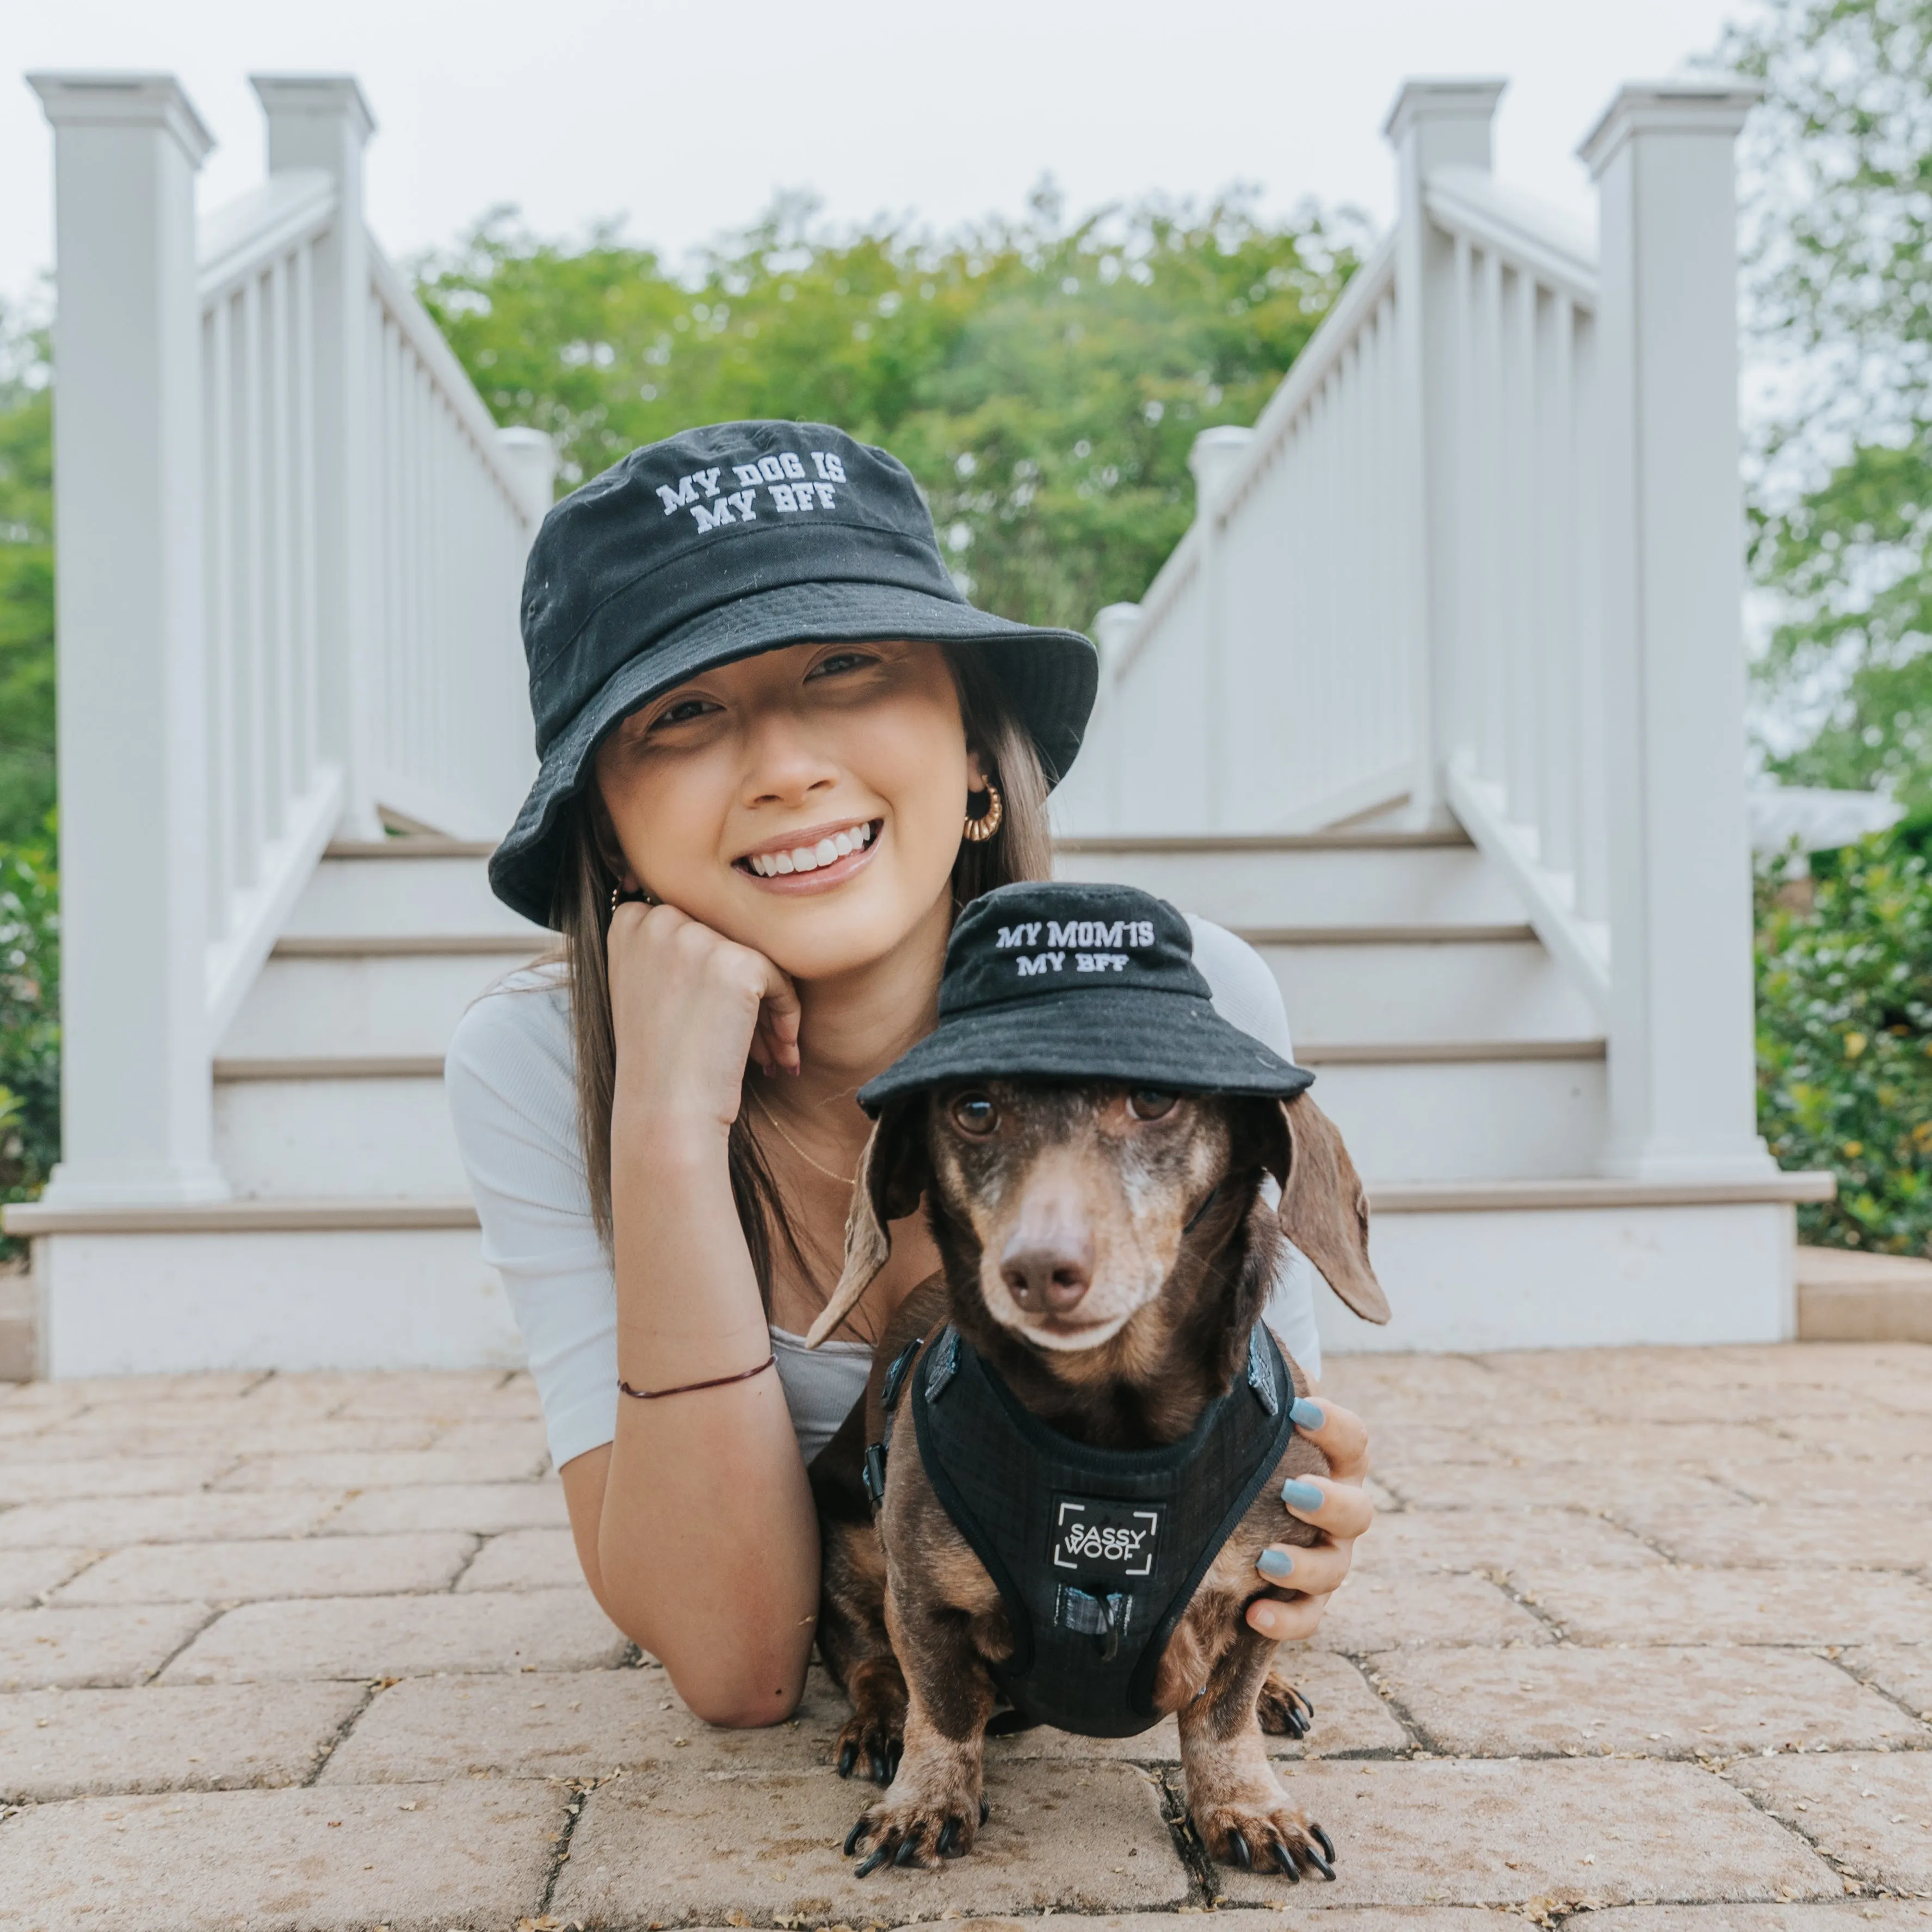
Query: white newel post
{"points": [[1433, 123], [1681, 1080], [322, 121], [531, 458], [136, 1100], [1214, 457]]}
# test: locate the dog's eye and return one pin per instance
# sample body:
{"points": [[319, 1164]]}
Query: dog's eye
{"points": [[1144, 1104], [975, 1113]]}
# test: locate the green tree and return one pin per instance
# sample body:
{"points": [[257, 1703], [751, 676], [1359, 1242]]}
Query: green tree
{"points": [[1840, 248], [26, 583], [1042, 380]]}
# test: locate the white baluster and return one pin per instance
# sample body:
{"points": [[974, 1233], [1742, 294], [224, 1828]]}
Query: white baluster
{"points": [[323, 121]]}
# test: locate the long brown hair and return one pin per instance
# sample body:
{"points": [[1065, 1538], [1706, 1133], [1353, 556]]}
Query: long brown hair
{"points": [[1021, 849]]}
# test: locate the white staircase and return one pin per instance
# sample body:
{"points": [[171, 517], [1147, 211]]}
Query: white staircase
{"points": [[1468, 1076], [1439, 703]]}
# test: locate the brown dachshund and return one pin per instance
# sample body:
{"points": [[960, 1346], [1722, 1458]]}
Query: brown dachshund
{"points": [[1106, 1254]]}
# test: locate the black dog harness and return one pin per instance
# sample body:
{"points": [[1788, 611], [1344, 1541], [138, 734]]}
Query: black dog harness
{"points": [[1095, 1552]]}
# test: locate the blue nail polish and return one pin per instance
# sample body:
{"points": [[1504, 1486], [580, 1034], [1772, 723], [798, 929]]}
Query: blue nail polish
{"points": [[1275, 1563], [1306, 1414], [1301, 1496]]}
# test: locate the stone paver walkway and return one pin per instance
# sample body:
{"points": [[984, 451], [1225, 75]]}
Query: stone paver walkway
{"points": [[1644, 1635]]}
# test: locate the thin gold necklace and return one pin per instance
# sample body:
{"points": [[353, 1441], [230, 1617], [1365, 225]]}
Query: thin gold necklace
{"points": [[844, 1180]]}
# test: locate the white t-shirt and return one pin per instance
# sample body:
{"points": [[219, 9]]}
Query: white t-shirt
{"points": [[513, 1096]]}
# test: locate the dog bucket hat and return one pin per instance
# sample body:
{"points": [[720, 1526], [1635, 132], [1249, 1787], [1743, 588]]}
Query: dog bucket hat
{"points": [[1071, 981], [716, 544]]}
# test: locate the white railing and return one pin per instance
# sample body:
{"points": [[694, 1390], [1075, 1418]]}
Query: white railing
{"points": [[449, 524], [1518, 661], [291, 544], [1480, 560], [1263, 675]]}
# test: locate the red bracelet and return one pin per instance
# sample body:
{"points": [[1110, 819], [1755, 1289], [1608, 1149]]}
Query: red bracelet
{"points": [[685, 1388]]}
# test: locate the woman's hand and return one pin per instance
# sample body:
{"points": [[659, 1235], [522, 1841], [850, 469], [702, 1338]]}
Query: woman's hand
{"points": [[689, 1007], [1335, 1503]]}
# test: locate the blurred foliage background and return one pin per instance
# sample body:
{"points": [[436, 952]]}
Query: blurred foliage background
{"points": [[1844, 1045], [1043, 379], [1838, 194]]}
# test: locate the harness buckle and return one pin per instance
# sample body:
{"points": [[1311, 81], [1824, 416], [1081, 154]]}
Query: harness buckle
{"points": [[873, 1475], [1089, 1614]]}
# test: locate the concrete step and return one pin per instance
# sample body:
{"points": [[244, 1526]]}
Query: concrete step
{"points": [[363, 1003], [1844, 1296], [1494, 983], [373, 1128], [1495, 1111], [405, 887], [1358, 879]]}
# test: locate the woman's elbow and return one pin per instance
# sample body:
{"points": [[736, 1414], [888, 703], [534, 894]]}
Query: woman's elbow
{"points": [[741, 1700]]}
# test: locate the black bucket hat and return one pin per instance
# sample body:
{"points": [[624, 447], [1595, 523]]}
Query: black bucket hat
{"points": [[1078, 981], [722, 542]]}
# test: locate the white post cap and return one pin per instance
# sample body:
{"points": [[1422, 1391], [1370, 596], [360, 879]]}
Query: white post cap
{"points": [[1424, 100], [326, 96], [1695, 104], [1114, 628], [1215, 457], [101, 100], [531, 458]]}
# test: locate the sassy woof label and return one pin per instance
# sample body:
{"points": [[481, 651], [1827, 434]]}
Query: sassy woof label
{"points": [[1100, 1538]]}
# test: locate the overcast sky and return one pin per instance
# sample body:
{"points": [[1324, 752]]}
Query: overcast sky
{"points": [[685, 117]]}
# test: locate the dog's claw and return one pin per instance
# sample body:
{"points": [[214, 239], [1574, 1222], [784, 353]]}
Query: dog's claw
{"points": [[847, 1758], [985, 1811], [1284, 1860], [947, 1843], [1320, 1864], [866, 1866], [1327, 1843], [854, 1837], [907, 1853], [1238, 1846], [877, 1763]]}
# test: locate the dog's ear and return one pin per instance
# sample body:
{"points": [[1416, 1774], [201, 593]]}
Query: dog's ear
{"points": [[891, 1177], [1324, 1210]]}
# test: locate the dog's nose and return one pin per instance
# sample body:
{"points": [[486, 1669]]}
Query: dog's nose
{"points": [[1047, 1275]]}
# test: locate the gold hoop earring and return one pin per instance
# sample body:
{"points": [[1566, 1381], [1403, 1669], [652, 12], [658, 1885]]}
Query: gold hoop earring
{"points": [[617, 898], [978, 830]]}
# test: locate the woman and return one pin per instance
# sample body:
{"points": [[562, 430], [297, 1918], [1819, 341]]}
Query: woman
{"points": [[778, 752]]}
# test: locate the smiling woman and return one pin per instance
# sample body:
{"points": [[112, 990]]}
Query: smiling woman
{"points": [[779, 754]]}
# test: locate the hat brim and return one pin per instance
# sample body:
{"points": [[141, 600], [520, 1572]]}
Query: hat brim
{"points": [[1137, 1036], [1051, 676]]}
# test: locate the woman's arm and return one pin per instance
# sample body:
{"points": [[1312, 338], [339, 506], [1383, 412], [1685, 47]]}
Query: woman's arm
{"points": [[695, 1524]]}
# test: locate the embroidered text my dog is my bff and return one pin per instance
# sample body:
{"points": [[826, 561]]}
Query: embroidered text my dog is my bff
{"points": [[788, 485]]}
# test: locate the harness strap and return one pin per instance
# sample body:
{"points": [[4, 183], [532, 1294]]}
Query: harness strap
{"points": [[873, 1475]]}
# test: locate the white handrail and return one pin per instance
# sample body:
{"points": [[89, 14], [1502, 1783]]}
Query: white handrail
{"points": [[243, 236], [1263, 677]]}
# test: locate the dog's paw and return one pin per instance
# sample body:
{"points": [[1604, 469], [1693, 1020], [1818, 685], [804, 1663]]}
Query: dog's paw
{"points": [[1267, 1837], [915, 1831], [873, 1736], [1283, 1711]]}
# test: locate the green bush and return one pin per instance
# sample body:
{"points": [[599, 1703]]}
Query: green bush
{"points": [[1844, 1036], [29, 1022]]}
